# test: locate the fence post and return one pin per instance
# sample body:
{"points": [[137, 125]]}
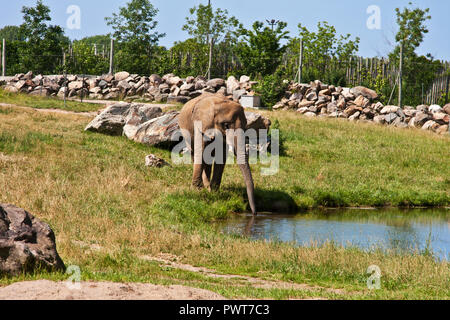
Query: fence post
{"points": [[210, 58], [400, 76], [300, 62], [111, 58], [4, 57]]}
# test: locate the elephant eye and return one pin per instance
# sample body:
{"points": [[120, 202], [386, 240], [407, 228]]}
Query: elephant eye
{"points": [[226, 125]]}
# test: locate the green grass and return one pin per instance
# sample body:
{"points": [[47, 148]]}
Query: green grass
{"points": [[46, 102], [95, 189]]}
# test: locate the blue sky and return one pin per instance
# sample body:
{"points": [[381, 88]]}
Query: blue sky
{"points": [[348, 16]]}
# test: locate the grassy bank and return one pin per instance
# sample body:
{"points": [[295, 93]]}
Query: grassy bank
{"points": [[46, 102], [109, 211]]}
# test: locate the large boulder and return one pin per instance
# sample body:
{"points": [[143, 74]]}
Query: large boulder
{"points": [[158, 130], [26, 243], [111, 121], [257, 121], [216, 83], [137, 115]]}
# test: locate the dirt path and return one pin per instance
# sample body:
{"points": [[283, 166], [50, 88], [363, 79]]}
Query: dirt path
{"points": [[49, 290], [103, 104], [171, 262]]}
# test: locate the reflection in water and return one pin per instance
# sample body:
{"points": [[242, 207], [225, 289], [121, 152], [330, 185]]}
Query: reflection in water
{"points": [[393, 229]]}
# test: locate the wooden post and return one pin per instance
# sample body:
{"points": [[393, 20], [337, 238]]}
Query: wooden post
{"points": [[400, 77], [300, 62], [111, 58], [210, 59], [4, 57]]}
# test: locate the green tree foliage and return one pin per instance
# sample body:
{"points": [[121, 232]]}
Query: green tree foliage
{"points": [[322, 52], [42, 50], [84, 60], [260, 52], [10, 33], [134, 27], [418, 70], [204, 25]]}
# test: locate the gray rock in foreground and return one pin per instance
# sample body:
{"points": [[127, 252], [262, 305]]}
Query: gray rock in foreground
{"points": [[26, 243]]}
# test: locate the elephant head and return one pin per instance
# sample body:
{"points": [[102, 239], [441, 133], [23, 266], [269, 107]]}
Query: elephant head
{"points": [[217, 113]]}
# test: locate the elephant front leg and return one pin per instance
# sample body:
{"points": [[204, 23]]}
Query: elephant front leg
{"points": [[197, 179], [219, 167], [206, 176]]}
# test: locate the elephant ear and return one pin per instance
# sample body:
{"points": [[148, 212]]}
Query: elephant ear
{"points": [[204, 112]]}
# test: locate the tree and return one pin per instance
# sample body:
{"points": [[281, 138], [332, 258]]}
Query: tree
{"points": [[133, 29], [205, 25], [260, 52], [418, 70], [322, 52], [10, 33], [42, 51]]}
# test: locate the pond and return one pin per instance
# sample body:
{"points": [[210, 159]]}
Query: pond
{"points": [[400, 230]]}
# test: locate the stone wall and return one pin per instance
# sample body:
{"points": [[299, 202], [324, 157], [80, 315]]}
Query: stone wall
{"points": [[122, 85], [360, 104]]}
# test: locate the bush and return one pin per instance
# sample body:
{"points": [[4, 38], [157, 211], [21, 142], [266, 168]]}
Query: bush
{"points": [[271, 88]]}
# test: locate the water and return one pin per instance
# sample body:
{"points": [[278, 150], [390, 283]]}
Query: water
{"points": [[406, 231]]}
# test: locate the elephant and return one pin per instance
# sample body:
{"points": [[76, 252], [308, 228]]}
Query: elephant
{"points": [[218, 113]]}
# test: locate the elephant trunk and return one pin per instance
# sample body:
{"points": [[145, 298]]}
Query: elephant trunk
{"points": [[247, 174], [242, 161]]}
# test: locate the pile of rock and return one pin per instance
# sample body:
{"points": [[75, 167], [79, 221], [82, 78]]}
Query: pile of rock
{"points": [[148, 124], [360, 104], [127, 86]]}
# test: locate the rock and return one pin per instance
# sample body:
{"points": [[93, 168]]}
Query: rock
{"points": [[244, 79], [429, 125], [310, 114], [190, 79], [26, 243], [361, 101], [153, 161], [174, 81], [379, 119], [441, 117], [12, 89], [389, 109], [76, 85], [363, 91], [352, 110], [354, 116], [188, 87], [216, 83], [422, 108], [435, 108], [305, 103], [312, 96], [442, 129], [155, 80], [390, 117], [137, 115], [120, 76], [446, 108], [256, 121], [347, 94], [200, 84], [40, 92], [111, 121], [158, 130], [232, 85], [178, 99], [420, 119], [237, 94]]}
